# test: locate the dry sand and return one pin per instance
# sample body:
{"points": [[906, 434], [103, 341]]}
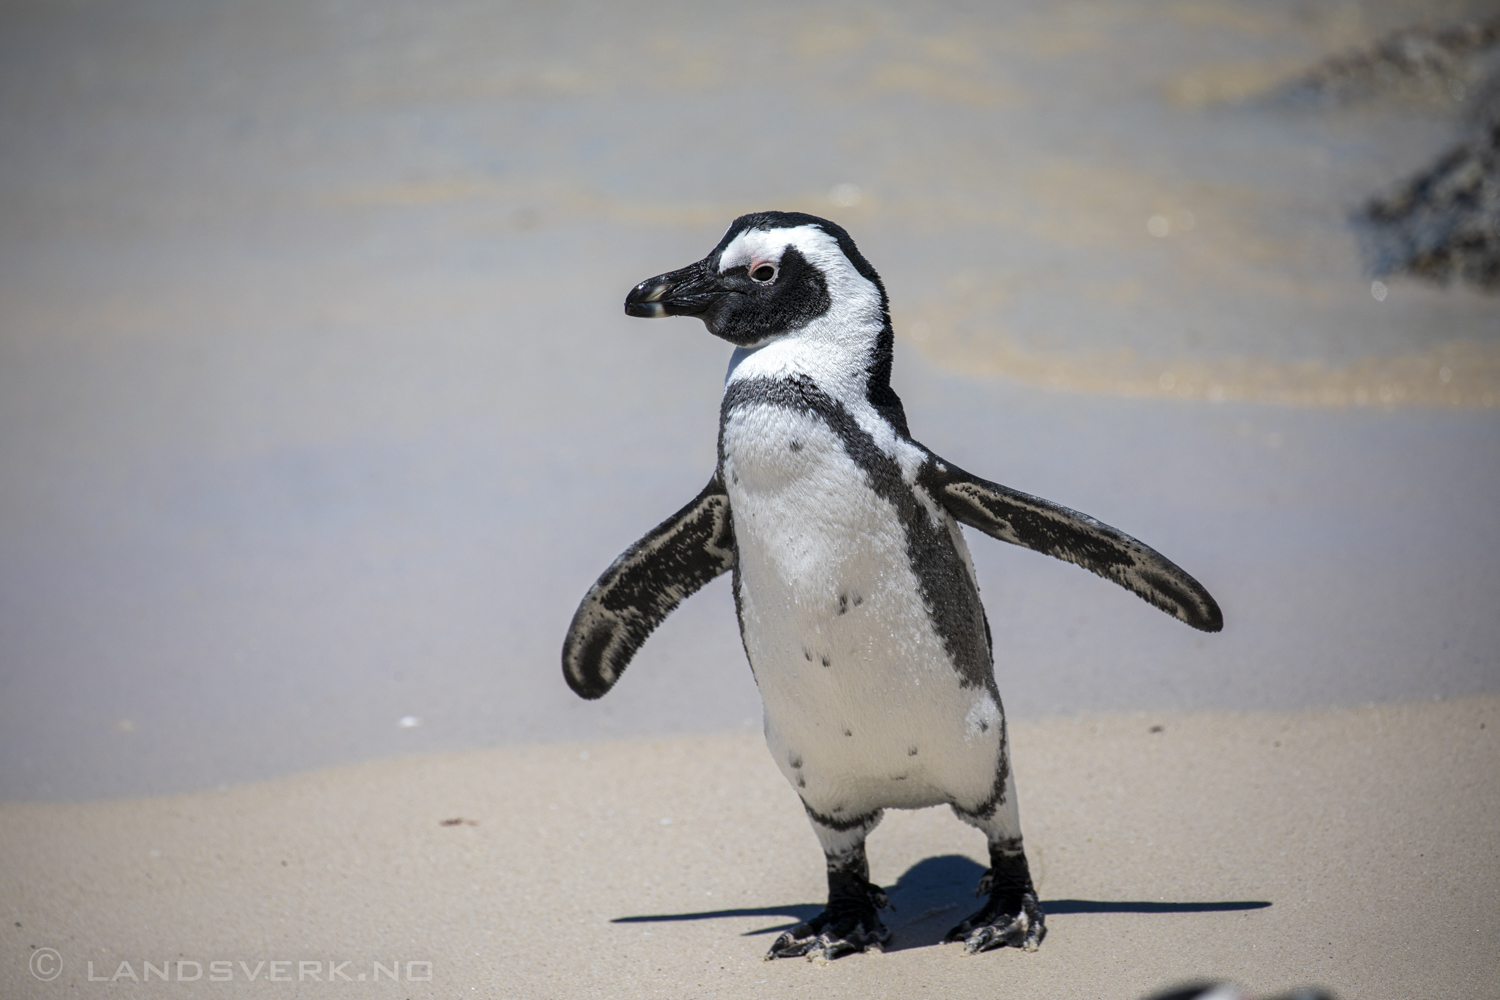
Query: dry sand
{"points": [[1353, 848], [318, 410]]}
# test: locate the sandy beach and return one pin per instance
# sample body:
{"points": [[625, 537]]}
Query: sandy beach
{"points": [[1353, 849], [319, 413]]}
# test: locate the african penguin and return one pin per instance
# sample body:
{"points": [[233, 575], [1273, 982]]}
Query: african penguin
{"points": [[856, 597]]}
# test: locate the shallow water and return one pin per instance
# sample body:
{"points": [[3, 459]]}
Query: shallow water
{"points": [[318, 411]]}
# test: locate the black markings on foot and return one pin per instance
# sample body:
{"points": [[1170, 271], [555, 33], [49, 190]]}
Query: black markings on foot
{"points": [[1012, 916], [848, 924]]}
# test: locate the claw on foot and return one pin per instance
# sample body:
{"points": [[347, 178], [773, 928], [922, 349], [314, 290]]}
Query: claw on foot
{"points": [[843, 928], [830, 944], [1004, 921]]}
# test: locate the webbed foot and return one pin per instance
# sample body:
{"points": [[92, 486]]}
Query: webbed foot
{"points": [[1011, 917], [850, 923], [1018, 924]]}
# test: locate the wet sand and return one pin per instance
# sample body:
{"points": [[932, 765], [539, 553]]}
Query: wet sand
{"points": [[318, 410], [1353, 849], [318, 415]]}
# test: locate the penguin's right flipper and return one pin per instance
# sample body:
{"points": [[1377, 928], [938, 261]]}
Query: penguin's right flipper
{"points": [[643, 586], [1034, 523]]}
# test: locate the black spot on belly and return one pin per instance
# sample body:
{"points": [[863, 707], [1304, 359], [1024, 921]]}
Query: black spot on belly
{"points": [[795, 445], [984, 727], [795, 760], [898, 777], [843, 604], [911, 751], [807, 653], [827, 662], [947, 589], [858, 600], [801, 781], [848, 733]]}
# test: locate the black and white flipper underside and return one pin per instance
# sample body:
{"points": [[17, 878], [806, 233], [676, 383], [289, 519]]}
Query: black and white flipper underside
{"points": [[1025, 520], [644, 585]]}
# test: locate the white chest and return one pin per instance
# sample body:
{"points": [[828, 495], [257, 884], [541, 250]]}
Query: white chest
{"points": [[862, 700]]}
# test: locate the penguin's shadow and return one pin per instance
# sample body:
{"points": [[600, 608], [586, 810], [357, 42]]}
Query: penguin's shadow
{"points": [[935, 894]]}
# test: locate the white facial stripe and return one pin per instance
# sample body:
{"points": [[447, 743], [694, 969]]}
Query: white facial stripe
{"points": [[834, 348], [744, 248], [761, 246]]}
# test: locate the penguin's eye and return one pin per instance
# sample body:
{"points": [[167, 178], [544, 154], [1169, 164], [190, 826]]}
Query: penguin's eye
{"points": [[763, 273]]}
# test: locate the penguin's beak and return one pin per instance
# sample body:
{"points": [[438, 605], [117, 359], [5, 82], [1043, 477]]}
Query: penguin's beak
{"points": [[689, 291]]}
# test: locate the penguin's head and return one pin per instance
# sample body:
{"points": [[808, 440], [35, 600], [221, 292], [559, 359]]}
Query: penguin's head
{"points": [[773, 275]]}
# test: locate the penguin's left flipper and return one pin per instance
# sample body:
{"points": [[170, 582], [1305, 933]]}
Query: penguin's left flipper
{"points": [[1022, 519], [644, 585]]}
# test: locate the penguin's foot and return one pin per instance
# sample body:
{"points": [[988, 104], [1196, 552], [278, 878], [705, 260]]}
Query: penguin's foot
{"points": [[1012, 917], [846, 926]]}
